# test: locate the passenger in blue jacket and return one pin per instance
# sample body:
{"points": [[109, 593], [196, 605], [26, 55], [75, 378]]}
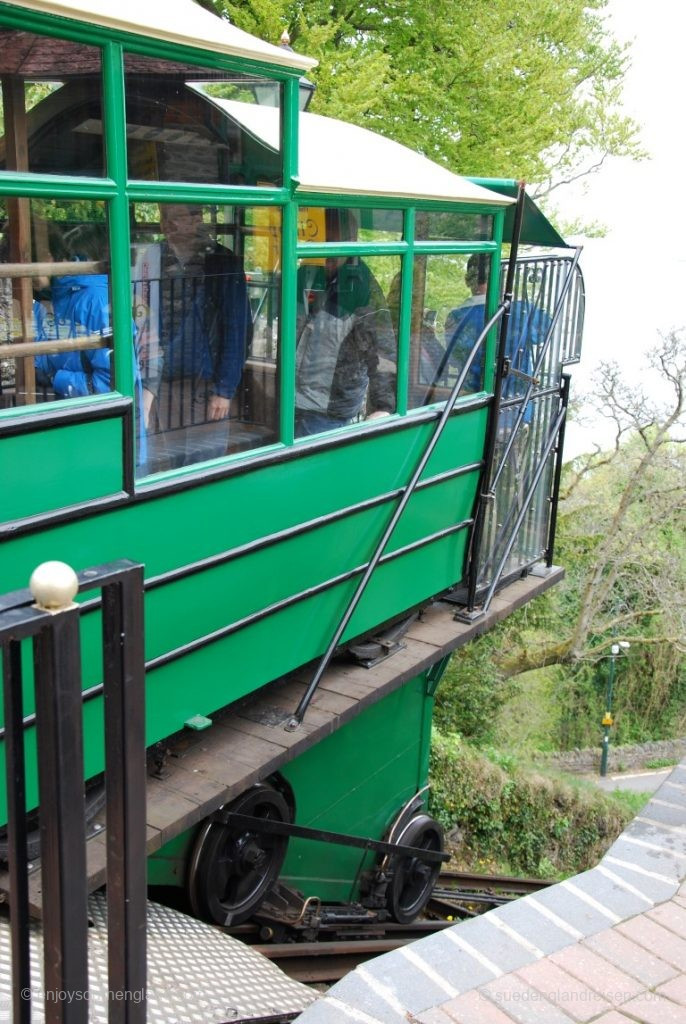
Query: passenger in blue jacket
{"points": [[80, 307], [527, 330]]}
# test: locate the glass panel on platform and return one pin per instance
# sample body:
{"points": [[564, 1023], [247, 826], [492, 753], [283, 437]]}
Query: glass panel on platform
{"points": [[51, 105], [206, 296], [448, 310], [316, 225], [187, 123], [55, 330], [347, 349], [453, 225]]}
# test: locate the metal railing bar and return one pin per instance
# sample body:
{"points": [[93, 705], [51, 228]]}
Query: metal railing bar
{"points": [[57, 660], [539, 361], [17, 833], [125, 777], [520, 518], [555, 497], [19, 349], [53, 269], [408, 490]]}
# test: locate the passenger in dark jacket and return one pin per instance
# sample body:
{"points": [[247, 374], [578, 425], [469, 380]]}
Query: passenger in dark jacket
{"points": [[204, 312], [346, 358]]}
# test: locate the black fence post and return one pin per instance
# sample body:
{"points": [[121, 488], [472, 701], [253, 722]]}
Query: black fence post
{"points": [[57, 661], [124, 682], [47, 617], [16, 832], [555, 496]]}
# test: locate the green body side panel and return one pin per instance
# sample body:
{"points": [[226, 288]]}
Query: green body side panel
{"points": [[354, 782], [255, 593], [169, 865], [75, 463], [281, 576]]}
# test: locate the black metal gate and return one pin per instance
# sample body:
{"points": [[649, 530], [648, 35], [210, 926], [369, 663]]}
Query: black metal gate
{"points": [[518, 504], [49, 621]]}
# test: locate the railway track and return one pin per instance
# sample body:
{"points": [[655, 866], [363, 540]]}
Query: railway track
{"points": [[457, 895]]}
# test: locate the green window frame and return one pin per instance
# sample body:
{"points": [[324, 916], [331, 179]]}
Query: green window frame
{"points": [[119, 191]]}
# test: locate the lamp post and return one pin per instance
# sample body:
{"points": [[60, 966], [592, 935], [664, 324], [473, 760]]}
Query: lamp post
{"points": [[623, 645]]}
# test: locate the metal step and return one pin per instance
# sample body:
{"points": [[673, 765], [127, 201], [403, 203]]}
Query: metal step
{"points": [[196, 974]]}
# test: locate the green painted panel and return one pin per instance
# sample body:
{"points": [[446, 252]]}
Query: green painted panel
{"points": [[170, 530], [355, 781], [224, 671], [177, 528], [199, 604], [73, 464]]}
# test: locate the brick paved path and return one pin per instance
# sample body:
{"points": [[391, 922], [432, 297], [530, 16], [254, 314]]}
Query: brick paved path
{"points": [[607, 946]]}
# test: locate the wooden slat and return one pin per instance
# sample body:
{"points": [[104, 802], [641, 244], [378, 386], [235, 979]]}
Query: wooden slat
{"points": [[14, 350], [50, 268]]}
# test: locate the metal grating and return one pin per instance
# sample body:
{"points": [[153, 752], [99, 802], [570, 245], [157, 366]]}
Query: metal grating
{"points": [[196, 974]]}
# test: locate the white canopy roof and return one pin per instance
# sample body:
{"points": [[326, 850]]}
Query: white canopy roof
{"points": [[174, 21], [335, 156]]}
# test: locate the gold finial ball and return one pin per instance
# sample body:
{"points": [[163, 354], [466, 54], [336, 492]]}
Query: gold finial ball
{"points": [[54, 585]]}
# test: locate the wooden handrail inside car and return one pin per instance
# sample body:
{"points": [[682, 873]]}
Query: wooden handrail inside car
{"points": [[13, 350], [48, 269]]}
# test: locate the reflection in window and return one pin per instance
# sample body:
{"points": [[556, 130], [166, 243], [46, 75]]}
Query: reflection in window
{"points": [[448, 309], [372, 225], [186, 123], [448, 316], [205, 307], [55, 331], [346, 356], [453, 225], [48, 113]]}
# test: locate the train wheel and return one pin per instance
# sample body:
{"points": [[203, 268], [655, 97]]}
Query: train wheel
{"points": [[414, 878], [232, 868]]}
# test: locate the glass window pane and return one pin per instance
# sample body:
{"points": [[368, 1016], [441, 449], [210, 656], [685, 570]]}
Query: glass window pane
{"points": [[186, 123], [448, 310], [55, 331], [346, 357], [206, 293], [51, 117], [453, 225], [315, 224]]}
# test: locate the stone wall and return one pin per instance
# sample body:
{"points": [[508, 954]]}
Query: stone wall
{"points": [[620, 758]]}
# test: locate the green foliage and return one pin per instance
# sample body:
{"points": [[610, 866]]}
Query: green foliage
{"points": [[539, 679], [472, 691], [634, 802], [537, 825], [526, 91]]}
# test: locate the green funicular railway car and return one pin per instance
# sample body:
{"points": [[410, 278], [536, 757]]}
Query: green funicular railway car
{"points": [[246, 346]]}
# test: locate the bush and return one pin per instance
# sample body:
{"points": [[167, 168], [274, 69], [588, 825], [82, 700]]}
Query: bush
{"points": [[533, 823]]}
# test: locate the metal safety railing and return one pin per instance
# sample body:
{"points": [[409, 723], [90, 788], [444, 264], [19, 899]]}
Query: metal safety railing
{"points": [[518, 502], [405, 494], [48, 619]]}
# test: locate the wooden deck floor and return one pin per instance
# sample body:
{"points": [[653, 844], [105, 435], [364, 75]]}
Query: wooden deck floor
{"points": [[248, 741]]}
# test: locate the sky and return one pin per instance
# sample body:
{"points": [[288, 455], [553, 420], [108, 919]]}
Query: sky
{"points": [[636, 275]]}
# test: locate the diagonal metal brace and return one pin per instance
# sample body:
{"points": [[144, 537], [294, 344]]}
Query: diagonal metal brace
{"points": [[284, 828]]}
